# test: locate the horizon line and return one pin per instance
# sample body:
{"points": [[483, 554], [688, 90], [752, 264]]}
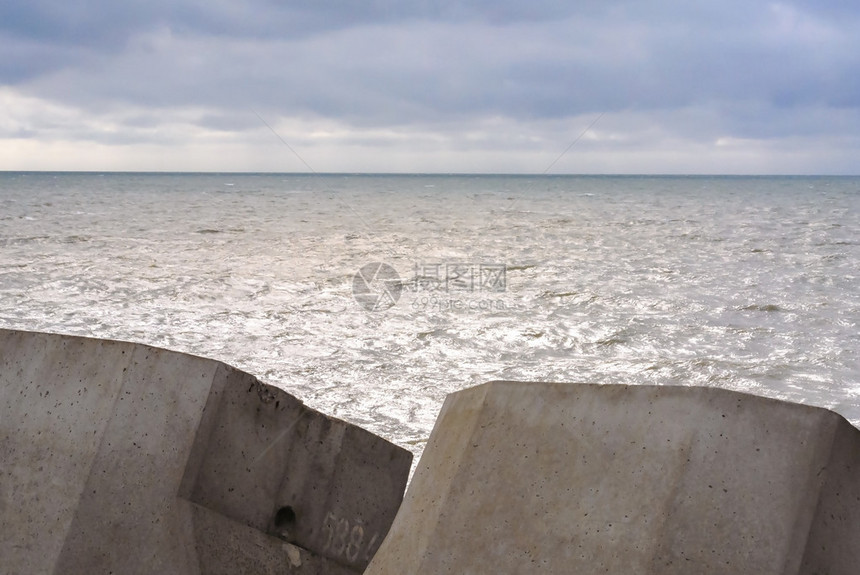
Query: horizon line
{"points": [[438, 174]]}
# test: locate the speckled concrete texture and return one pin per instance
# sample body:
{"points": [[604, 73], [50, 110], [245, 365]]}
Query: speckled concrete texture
{"points": [[124, 458], [568, 478]]}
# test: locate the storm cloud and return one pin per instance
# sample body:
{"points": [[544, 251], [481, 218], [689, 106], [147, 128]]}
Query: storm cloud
{"points": [[716, 87]]}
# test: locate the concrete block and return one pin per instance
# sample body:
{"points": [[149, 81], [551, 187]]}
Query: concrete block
{"points": [[124, 458], [564, 478]]}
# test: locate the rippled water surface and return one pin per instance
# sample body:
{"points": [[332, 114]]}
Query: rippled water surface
{"points": [[743, 283]]}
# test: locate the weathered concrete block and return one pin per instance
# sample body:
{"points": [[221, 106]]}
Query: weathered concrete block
{"points": [[123, 458], [563, 478]]}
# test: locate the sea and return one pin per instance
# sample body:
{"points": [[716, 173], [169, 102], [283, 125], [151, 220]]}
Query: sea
{"points": [[372, 297]]}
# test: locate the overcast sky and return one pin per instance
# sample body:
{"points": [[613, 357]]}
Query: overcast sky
{"points": [[711, 86]]}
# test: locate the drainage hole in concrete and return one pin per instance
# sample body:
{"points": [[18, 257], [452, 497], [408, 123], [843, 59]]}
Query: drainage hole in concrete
{"points": [[285, 516]]}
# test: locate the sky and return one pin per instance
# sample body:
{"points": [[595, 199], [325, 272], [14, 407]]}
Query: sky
{"points": [[472, 86]]}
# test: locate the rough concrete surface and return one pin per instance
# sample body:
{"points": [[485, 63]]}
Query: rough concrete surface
{"points": [[124, 458], [564, 478]]}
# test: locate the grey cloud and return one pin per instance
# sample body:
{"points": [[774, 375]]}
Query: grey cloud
{"points": [[106, 22], [671, 69], [763, 70]]}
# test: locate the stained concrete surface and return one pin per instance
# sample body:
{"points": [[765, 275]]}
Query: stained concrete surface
{"points": [[124, 458], [563, 478]]}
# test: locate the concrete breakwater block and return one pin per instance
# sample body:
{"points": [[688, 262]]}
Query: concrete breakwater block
{"points": [[563, 478], [123, 458]]}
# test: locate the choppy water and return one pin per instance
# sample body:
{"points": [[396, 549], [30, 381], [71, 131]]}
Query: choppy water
{"points": [[743, 283]]}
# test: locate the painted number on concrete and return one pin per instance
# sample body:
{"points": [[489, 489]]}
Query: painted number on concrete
{"points": [[347, 539]]}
